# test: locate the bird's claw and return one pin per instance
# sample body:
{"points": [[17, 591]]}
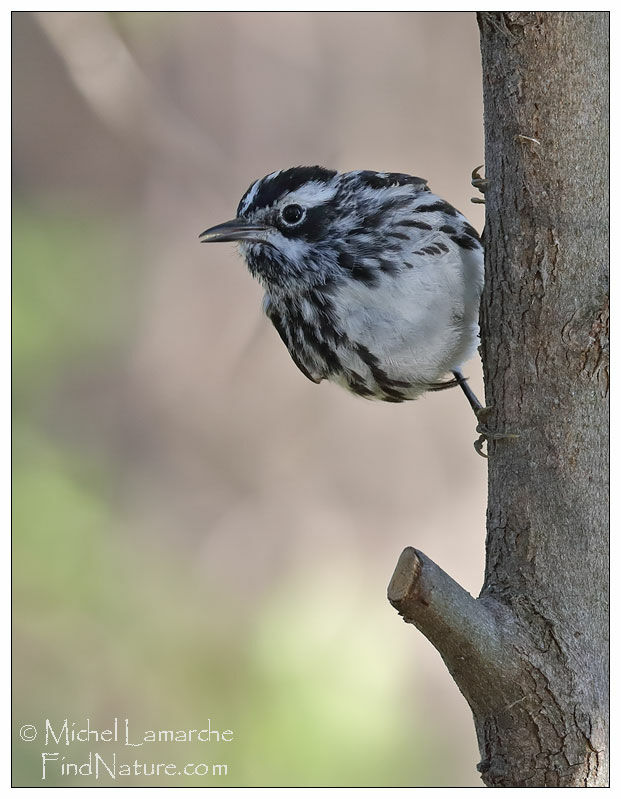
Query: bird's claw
{"points": [[479, 183], [485, 433]]}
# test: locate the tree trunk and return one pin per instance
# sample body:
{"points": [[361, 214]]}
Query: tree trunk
{"points": [[531, 653]]}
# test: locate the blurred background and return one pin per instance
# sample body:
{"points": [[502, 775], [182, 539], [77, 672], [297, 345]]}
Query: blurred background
{"points": [[199, 532]]}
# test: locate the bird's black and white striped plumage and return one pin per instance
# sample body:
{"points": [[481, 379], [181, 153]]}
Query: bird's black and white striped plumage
{"points": [[371, 281]]}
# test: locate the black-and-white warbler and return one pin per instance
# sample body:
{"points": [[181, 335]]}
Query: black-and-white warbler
{"points": [[371, 281]]}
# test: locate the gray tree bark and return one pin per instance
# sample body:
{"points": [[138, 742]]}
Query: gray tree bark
{"points": [[531, 653]]}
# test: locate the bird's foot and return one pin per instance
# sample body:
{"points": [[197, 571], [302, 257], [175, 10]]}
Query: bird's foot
{"points": [[479, 183], [486, 434]]}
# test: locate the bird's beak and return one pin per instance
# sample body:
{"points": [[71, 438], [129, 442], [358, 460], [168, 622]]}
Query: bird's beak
{"points": [[234, 230]]}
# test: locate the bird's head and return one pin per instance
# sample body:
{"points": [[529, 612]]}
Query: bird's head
{"points": [[308, 225]]}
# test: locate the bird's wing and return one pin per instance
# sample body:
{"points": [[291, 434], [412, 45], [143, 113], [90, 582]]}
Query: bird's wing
{"points": [[275, 318]]}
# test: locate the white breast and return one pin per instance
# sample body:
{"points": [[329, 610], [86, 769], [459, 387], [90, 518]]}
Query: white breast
{"points": [[422, 323]]}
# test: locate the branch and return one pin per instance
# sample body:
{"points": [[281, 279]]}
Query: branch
{"points": [[471, 635], [539, 628]]}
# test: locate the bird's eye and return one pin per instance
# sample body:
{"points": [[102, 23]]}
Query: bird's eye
{"points": [[292, 214]]}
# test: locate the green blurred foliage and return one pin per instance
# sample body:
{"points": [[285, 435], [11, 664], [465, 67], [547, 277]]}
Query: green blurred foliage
{"points": [[74, 279], [113, 618], [109, 624]]}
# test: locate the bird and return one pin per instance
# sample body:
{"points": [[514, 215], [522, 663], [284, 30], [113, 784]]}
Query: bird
{"points": [[371, 281]]}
